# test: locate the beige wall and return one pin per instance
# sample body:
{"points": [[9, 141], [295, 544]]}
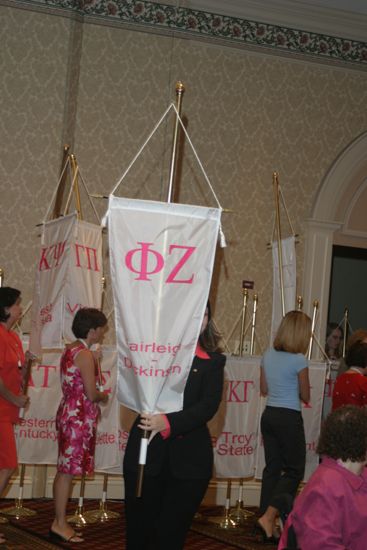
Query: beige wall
{"points": [[103, 88]]}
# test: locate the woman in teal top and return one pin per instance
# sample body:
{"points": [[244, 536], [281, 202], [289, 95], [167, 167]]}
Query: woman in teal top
{"points": [[284, 380]]}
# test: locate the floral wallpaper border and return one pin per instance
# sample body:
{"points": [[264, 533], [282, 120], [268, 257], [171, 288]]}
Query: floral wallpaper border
{"points": [[209, 25]]}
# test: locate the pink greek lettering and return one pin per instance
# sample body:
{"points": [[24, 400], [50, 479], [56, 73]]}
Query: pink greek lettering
{"points": [[238, 391], [55, 252], [189, 251], [143, 271], [43, 265]]}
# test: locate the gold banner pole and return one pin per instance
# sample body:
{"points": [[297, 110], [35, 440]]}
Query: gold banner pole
{"points": [[75, 169], [314, 314], [61, 188], [27, 375], [243, 319], [299, 303], [68, 200], [172, 170], [79, 518], [224, 521], [239, 513], [146, 434], [227, 523], [253, 325], [142, 461], [345, 330], [103, 514], [19, 511], [279, 236]]}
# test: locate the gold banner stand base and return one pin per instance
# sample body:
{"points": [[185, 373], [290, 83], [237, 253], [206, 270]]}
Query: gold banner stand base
{"points": [[239, 514], [3, 520], [18, 511], [103, 514], [80, 519], [223, 522]]}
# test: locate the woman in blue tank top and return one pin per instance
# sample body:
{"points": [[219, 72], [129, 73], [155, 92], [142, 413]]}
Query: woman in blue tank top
{"points": [[284, 380]]}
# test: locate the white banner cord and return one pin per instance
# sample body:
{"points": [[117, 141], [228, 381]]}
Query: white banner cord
{"points": [[222, 240], [324, 354], [71, 190], [89, 197], [286, 213], [197, 157], [171, 106], [142, 148], [56, 188]]}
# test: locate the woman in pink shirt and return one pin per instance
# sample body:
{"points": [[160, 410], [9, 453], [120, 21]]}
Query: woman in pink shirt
{"points": [[331, 511]]}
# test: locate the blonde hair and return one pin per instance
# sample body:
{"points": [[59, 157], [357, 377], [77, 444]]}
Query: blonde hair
{"points": [[294, 333]]}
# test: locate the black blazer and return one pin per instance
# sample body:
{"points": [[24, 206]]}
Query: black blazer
{"points": [[188, 451]]}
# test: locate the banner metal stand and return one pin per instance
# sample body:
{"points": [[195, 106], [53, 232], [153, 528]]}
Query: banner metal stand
{"points": [[172, 172], [19, 511], [103, 514], [224, 521], [239, 513], [79, 519]]}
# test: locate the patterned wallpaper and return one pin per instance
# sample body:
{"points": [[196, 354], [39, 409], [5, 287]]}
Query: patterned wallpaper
{"points": [[103, 87]]}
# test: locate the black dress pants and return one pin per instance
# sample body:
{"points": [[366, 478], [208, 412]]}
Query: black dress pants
{"points": [[161, 518], [285, 455]]}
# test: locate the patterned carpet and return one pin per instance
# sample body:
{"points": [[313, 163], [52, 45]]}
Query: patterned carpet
{"points": [[31, 533]]}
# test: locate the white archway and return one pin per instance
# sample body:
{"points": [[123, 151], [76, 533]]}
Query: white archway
{"points": [[330, 210]]}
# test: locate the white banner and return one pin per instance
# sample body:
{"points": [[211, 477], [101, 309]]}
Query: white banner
{"points": [[84, 281], [311, 413], [68, 276], [161, 266], [289, 282], [236, 440], [37, 436], [235, 445]]}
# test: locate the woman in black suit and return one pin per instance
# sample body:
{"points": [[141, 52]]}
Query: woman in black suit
{"points": [[180, 457]]}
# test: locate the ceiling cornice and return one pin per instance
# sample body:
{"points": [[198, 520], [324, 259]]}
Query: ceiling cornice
{"points": [[288, 13], [249, 31]]}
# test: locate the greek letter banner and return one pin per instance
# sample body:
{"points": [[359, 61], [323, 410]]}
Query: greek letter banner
{"points": [[289, 282], [234, 428], [68, 276], [161, 266], [37, 435]]}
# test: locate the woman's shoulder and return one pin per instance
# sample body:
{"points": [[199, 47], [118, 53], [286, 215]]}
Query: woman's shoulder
{"points": [[71, 350], [217, 357]]}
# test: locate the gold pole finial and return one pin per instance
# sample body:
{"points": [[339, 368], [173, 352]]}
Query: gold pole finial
{"points": [[180, 88], [299, 303], [62, 183], [75, 168]]}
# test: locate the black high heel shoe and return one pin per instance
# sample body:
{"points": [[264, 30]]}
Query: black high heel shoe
{"points": [[259, 530], [56, 537]]}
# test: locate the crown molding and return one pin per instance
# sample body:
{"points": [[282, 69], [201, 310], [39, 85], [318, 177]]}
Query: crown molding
{"points": [[290, 13], [229, 30]]}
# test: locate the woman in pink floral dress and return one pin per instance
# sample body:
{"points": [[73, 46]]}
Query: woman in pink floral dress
{"points": [[77, 414]]}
